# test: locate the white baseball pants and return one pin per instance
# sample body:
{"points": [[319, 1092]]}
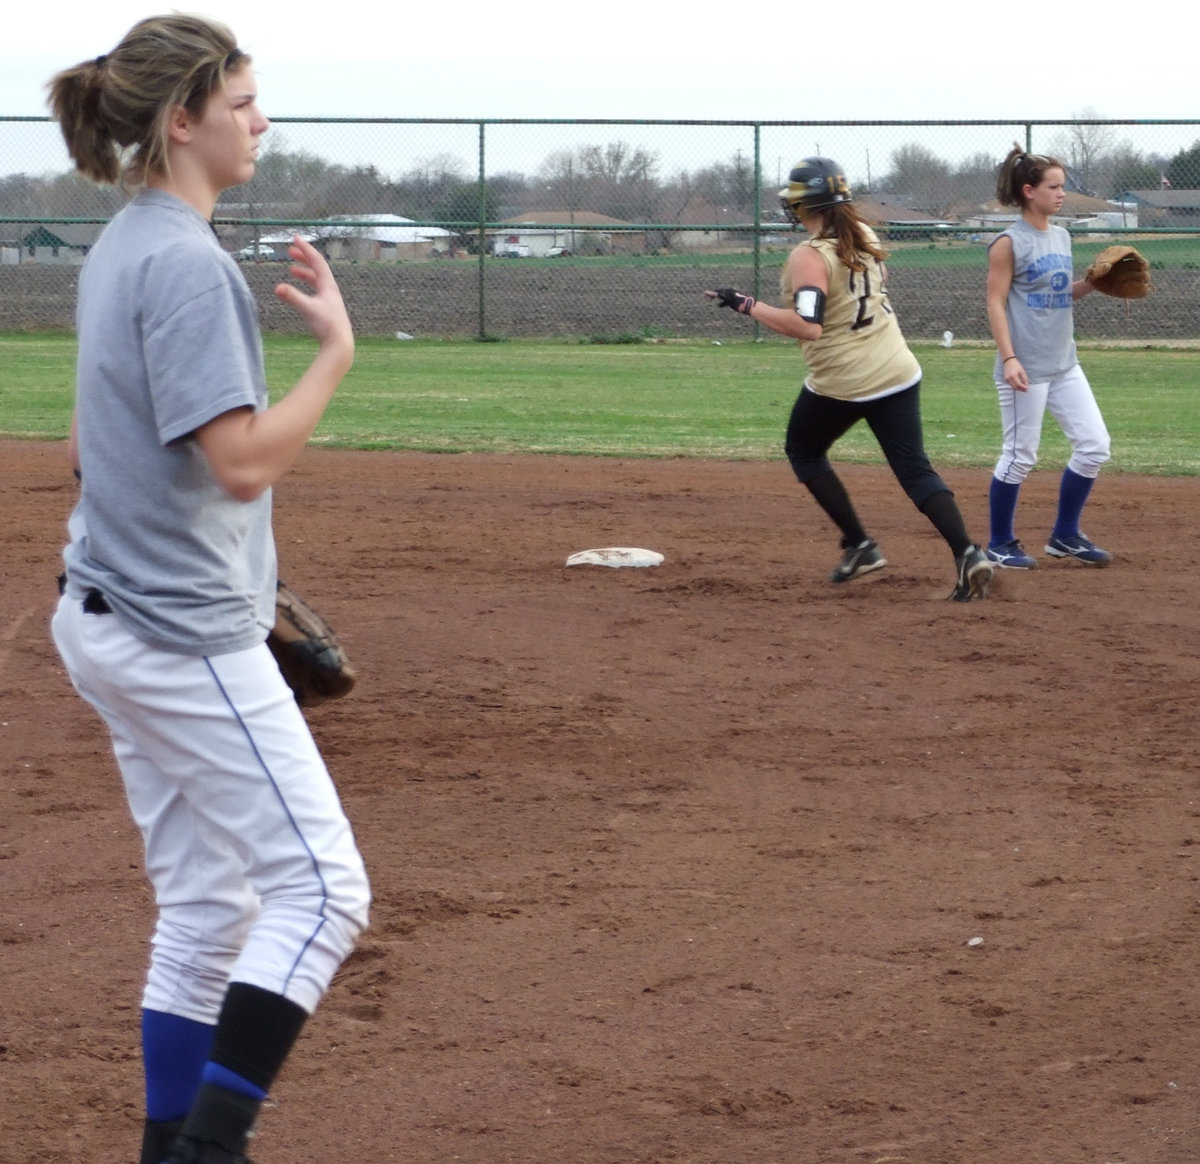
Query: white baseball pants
{"points": [[1071, 402], [254, 867]]}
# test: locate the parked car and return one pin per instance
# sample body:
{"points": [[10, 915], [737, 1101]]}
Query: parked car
{"points": [[511, 250], [255, 252], [558, 253]]}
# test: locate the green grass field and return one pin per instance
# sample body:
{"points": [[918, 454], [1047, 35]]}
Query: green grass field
{"points": [[675, 399], [1162, 252]]}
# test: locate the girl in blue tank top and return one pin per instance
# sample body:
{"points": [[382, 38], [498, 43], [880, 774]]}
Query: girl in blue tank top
{"points": [[1031, 292]]}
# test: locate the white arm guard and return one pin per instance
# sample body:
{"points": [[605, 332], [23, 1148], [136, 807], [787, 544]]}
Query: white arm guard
{"points": [[810, 304]]}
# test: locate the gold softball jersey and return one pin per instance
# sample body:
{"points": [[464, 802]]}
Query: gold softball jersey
{"points": [[861, 353]]}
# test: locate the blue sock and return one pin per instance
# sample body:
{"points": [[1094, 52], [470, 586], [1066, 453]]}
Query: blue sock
{"points": [[174, 1051], [1002, 503], [230, 1080], [1072, 497]]}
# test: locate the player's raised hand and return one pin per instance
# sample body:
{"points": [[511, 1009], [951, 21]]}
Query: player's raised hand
{"points": [[730, 298], [323, 309]]}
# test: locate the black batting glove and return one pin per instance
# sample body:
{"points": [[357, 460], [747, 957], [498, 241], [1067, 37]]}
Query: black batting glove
{"points": [[728, 297]]}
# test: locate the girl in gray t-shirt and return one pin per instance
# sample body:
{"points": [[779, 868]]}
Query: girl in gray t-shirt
{"points": [[170, 584], [1030, 296]]}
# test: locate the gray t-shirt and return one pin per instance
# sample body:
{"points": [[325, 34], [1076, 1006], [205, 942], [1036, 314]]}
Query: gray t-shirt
{"points": [[1040, 306], [168, 340]]}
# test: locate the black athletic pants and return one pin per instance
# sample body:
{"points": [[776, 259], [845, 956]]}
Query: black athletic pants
{"points": [[818, 421]]}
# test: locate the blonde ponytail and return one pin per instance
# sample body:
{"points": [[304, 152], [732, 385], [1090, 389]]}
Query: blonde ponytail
{"points": [[114, 110], [75, 100]]}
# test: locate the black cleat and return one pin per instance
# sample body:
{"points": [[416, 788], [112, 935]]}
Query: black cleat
{"points": [[974, 575], [856, 560]]}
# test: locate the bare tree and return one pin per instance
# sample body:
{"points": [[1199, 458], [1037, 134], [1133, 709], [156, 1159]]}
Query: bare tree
{"points": [[1127, 168], [361, 190], [917, 171], [74, 196], [729, 185], [427, 185], [1082, 147], [283, 182], [974, 179], [562, 180], [616, 179]]}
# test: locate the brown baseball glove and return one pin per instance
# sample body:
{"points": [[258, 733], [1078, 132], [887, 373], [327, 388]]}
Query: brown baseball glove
{"points": [[1120, 271], [308, 652]]}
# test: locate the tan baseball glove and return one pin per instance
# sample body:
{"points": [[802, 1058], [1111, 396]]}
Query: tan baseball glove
{"points": [[308, 652], [1120, 271]]}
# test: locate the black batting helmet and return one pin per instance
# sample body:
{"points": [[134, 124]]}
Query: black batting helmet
{"points": [[814, 184]]}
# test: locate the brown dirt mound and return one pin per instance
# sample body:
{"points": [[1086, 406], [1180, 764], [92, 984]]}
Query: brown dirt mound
{"points": [[670, 864]]}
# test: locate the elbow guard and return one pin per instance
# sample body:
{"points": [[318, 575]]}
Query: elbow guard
{"points": [[810, 304]]}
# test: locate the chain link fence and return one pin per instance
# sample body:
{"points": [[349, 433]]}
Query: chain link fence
{"points": [[608, 231]]}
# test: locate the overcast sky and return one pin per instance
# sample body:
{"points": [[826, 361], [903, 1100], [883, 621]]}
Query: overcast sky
{"points": [[629, 58], [632, 59]]}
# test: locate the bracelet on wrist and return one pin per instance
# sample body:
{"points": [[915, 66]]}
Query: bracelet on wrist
{"points": [[1007, 358]]}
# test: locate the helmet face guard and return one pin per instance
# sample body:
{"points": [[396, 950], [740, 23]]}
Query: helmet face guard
{"points": [[813, 184]]}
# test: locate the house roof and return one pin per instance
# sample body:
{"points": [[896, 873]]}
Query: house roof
{"points": [[1166, 199], [562, 218], [1074, 206], [1079, 205], [889, 208], [386, 228], [887, 198], [699, 212], [67, 234]]}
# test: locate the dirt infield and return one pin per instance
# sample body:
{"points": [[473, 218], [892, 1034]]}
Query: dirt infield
{"points": [[711, 862]]}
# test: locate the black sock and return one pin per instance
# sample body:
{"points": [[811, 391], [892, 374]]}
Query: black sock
{"points": [[255, 1033], [942, 510], [830, 494]]}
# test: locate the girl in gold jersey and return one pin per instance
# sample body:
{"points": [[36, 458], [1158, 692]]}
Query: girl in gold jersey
{"points": [[859, 368]]}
